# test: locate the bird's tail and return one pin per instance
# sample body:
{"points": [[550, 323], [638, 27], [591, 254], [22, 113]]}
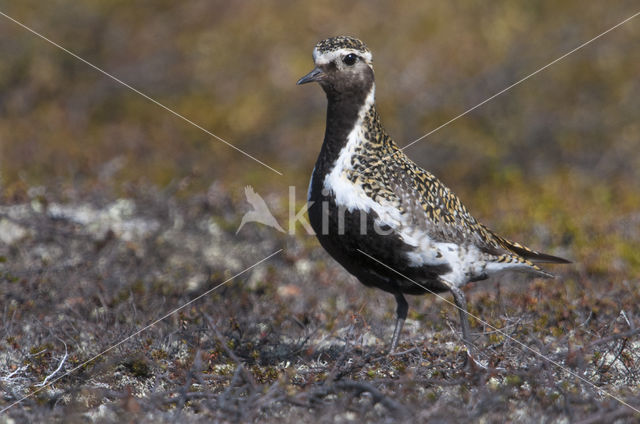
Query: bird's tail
{"points": [[515, 262], [529, 254]]}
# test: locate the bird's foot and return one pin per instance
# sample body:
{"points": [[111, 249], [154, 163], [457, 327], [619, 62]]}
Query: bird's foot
{"points": [[472, 365]]}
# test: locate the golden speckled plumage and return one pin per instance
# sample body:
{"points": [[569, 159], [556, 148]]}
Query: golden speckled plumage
{"points": [[386, 173]]}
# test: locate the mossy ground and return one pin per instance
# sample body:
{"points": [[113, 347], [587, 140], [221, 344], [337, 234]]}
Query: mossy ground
{"points": [[296, 338]]}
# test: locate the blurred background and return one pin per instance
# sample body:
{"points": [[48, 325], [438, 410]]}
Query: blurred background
{"points": [[554, 160]]}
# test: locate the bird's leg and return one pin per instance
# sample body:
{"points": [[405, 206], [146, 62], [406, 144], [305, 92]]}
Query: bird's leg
{"points": [[401, 315], [461, 302]]}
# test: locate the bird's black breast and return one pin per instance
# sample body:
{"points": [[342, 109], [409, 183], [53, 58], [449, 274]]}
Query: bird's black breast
{"points": [[350, 235]]}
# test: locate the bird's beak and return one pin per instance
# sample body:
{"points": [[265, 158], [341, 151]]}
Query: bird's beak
{"points": [[315, 75]]}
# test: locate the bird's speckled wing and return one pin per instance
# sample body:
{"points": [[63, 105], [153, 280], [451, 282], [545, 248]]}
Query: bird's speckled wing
{"points": [[422, 199], [387, 175], [448, 220], [443, 214]]}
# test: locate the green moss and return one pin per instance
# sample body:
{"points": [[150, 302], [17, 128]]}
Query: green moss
{"points": [[255, 355], [514, 380], [630, 253], [227, 225], [41, 349], [138, 367], [541, 322], [399, 366], [9, 277], [159, 354], [495, 338], [264, 375]]}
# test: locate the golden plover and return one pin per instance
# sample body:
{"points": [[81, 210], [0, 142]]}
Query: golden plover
{"points": [[387, 221]]}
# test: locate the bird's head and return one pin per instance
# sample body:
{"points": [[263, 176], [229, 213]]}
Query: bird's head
{"points": [[343, 66]]}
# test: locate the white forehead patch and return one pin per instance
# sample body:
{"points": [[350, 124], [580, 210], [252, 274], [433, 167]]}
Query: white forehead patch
{"points": [[327, 57]]}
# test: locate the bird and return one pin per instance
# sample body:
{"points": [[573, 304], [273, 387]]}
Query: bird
{"points": [[260, 212], [387, 221]]}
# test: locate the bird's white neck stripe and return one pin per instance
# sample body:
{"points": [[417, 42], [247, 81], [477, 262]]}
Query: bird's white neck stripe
{"points": [[356, 135], [346, 193], [368, 104]]}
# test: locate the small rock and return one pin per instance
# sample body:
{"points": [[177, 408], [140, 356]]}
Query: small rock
{"points": [[11, 232]]}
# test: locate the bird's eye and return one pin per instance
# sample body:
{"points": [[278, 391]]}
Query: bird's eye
{"points": [[350, 59]]}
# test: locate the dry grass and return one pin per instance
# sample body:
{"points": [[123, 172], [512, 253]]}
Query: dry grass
{"points": [[294, 339]]}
